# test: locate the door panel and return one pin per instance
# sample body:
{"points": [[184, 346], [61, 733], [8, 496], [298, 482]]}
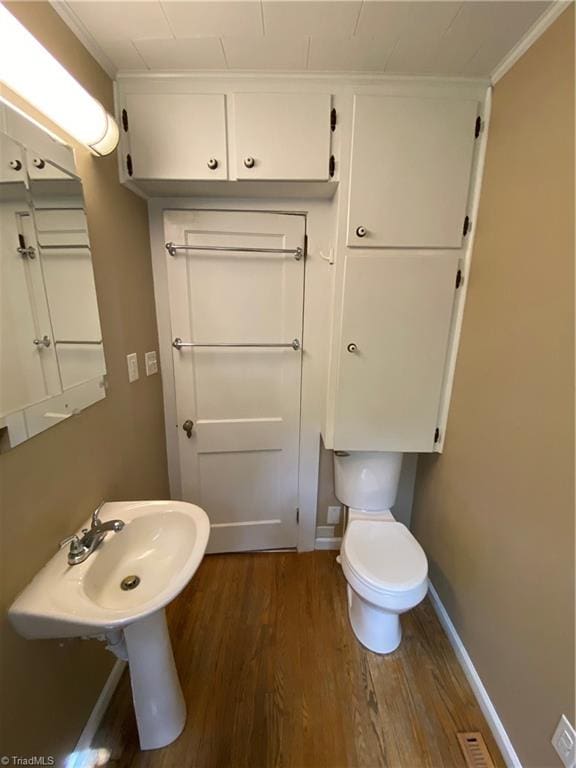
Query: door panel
{"points": [[287, 135], [241, 461], [411, 165], [173, 136], [397, 310]]}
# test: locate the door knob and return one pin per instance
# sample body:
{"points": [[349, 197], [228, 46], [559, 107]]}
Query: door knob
{"points": [[188, 426], [352, 347], [249, 162], [212, 163], [361, 231]]}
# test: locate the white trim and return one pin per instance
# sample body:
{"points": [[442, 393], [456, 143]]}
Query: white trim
{"points": [[536, 30], [76, 27], [328, 543], [77, 758], [488, 710], [460, 302]]}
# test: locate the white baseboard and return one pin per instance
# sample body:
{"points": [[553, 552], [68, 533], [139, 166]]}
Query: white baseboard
{"points": [[322, 542], [78, 758], [488, 710]]}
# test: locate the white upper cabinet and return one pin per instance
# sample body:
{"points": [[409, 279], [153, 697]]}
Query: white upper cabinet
{"points": [[392, 350], [410, 171], [282, 136], [177, 136]]}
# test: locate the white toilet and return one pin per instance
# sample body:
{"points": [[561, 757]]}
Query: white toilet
{"points": [[385, 567]]}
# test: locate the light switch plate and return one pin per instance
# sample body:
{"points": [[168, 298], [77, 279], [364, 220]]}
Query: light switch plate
{"points": [[564, 742], [133, 373], [151, 363], [333, 515]]}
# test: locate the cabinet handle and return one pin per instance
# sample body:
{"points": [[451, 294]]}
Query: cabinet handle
{"points": [[249, 162], [212, 163], [361, 231], [352, 347]]}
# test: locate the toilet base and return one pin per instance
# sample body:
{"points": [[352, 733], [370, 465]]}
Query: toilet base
{"points": [[377, 629]]}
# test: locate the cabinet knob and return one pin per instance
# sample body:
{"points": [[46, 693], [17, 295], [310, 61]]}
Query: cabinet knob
{"points": [[352, 347], [249, 162], [16, 165], [38, 162], [361, 231], [212, 163]]}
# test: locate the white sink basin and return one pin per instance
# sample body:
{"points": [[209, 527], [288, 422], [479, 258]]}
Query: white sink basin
{"points": [[162, 544]]}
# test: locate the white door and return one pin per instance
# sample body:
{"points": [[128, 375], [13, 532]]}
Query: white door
{"points": [[282, 136], [410, 175], [238, 388], [397, 311], [177, 136]]}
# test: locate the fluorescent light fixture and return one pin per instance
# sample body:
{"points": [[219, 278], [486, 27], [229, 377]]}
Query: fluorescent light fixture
{"points": [[29, 70]]}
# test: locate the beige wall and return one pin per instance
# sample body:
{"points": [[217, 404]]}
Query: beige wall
{"points": [[495, 512], [114, 450]]}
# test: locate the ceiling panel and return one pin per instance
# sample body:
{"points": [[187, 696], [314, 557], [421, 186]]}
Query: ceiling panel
{"points": [[121, 20], [283, 18], [123, 54], [421, 37], [266, 52], [417, 37], [353, 54], [214, 19], [195, 53]]}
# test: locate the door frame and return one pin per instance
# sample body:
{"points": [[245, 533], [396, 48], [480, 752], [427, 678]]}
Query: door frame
{"points": [[309, 435]]}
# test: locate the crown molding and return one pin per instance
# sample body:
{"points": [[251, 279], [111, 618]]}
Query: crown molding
{"points": [[77, 27]]}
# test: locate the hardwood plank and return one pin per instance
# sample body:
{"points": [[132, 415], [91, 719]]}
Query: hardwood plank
{"points": [[274, 678]]}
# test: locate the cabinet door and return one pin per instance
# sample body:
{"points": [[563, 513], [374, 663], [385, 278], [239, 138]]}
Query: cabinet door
{"points": [[177, 136], [397, 311], [286, 135], [410, 174]]}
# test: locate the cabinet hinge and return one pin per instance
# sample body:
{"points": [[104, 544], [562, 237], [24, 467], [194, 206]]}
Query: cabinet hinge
{"points": [[458, 278], [129, 167], [297, 515], [467, 226], [125, 120], [436, 435], [333, 119], [477, 127], [332, 166], [305, 246]]}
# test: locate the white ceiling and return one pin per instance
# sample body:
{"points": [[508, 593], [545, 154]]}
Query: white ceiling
{"points": [[429, 37]]}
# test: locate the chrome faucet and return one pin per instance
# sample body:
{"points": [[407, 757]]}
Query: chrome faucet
{"points": [[81, 547]]}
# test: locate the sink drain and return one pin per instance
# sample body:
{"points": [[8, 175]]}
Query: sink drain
{"points": [[129, 582]]}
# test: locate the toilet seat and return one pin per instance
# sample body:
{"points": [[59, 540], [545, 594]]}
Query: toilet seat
{"points": [[384, 564]]}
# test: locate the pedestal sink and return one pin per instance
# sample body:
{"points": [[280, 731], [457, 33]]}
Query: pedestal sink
{"points": [[119, 594]]}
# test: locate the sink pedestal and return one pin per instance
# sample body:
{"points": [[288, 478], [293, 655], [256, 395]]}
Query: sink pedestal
{"points": [[158, 699]]}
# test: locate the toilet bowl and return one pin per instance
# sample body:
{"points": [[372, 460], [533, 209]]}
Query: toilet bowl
{"points": [[385, 567]]}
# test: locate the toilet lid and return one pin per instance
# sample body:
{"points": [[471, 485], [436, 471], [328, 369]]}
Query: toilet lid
{"points": [[385, 555]]}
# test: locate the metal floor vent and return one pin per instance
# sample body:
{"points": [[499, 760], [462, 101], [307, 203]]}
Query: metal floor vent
{"points": [[475, 750]]}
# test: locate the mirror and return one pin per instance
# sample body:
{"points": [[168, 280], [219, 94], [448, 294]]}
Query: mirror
{"points": [[51, 352]]}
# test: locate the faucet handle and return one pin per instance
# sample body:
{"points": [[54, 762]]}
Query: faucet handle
{"points": [[74, 541], [96, 513]]}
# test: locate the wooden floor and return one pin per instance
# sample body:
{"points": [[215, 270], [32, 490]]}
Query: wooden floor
{"points": [[274, 677]]}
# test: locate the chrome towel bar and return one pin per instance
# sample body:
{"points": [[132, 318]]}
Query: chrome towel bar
{"points": [[172, 249], [77, 341], [179, 344]]}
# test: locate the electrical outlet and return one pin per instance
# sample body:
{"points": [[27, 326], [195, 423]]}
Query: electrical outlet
{"points": [[333, 515], [133, 372], [564, 742], [151, 363]]}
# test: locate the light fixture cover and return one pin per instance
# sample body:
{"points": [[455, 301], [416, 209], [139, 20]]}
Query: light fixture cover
{"points": [[29, 70]]}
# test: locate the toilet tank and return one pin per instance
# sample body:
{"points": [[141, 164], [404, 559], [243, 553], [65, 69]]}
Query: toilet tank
{"points": [[367, 480]]}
